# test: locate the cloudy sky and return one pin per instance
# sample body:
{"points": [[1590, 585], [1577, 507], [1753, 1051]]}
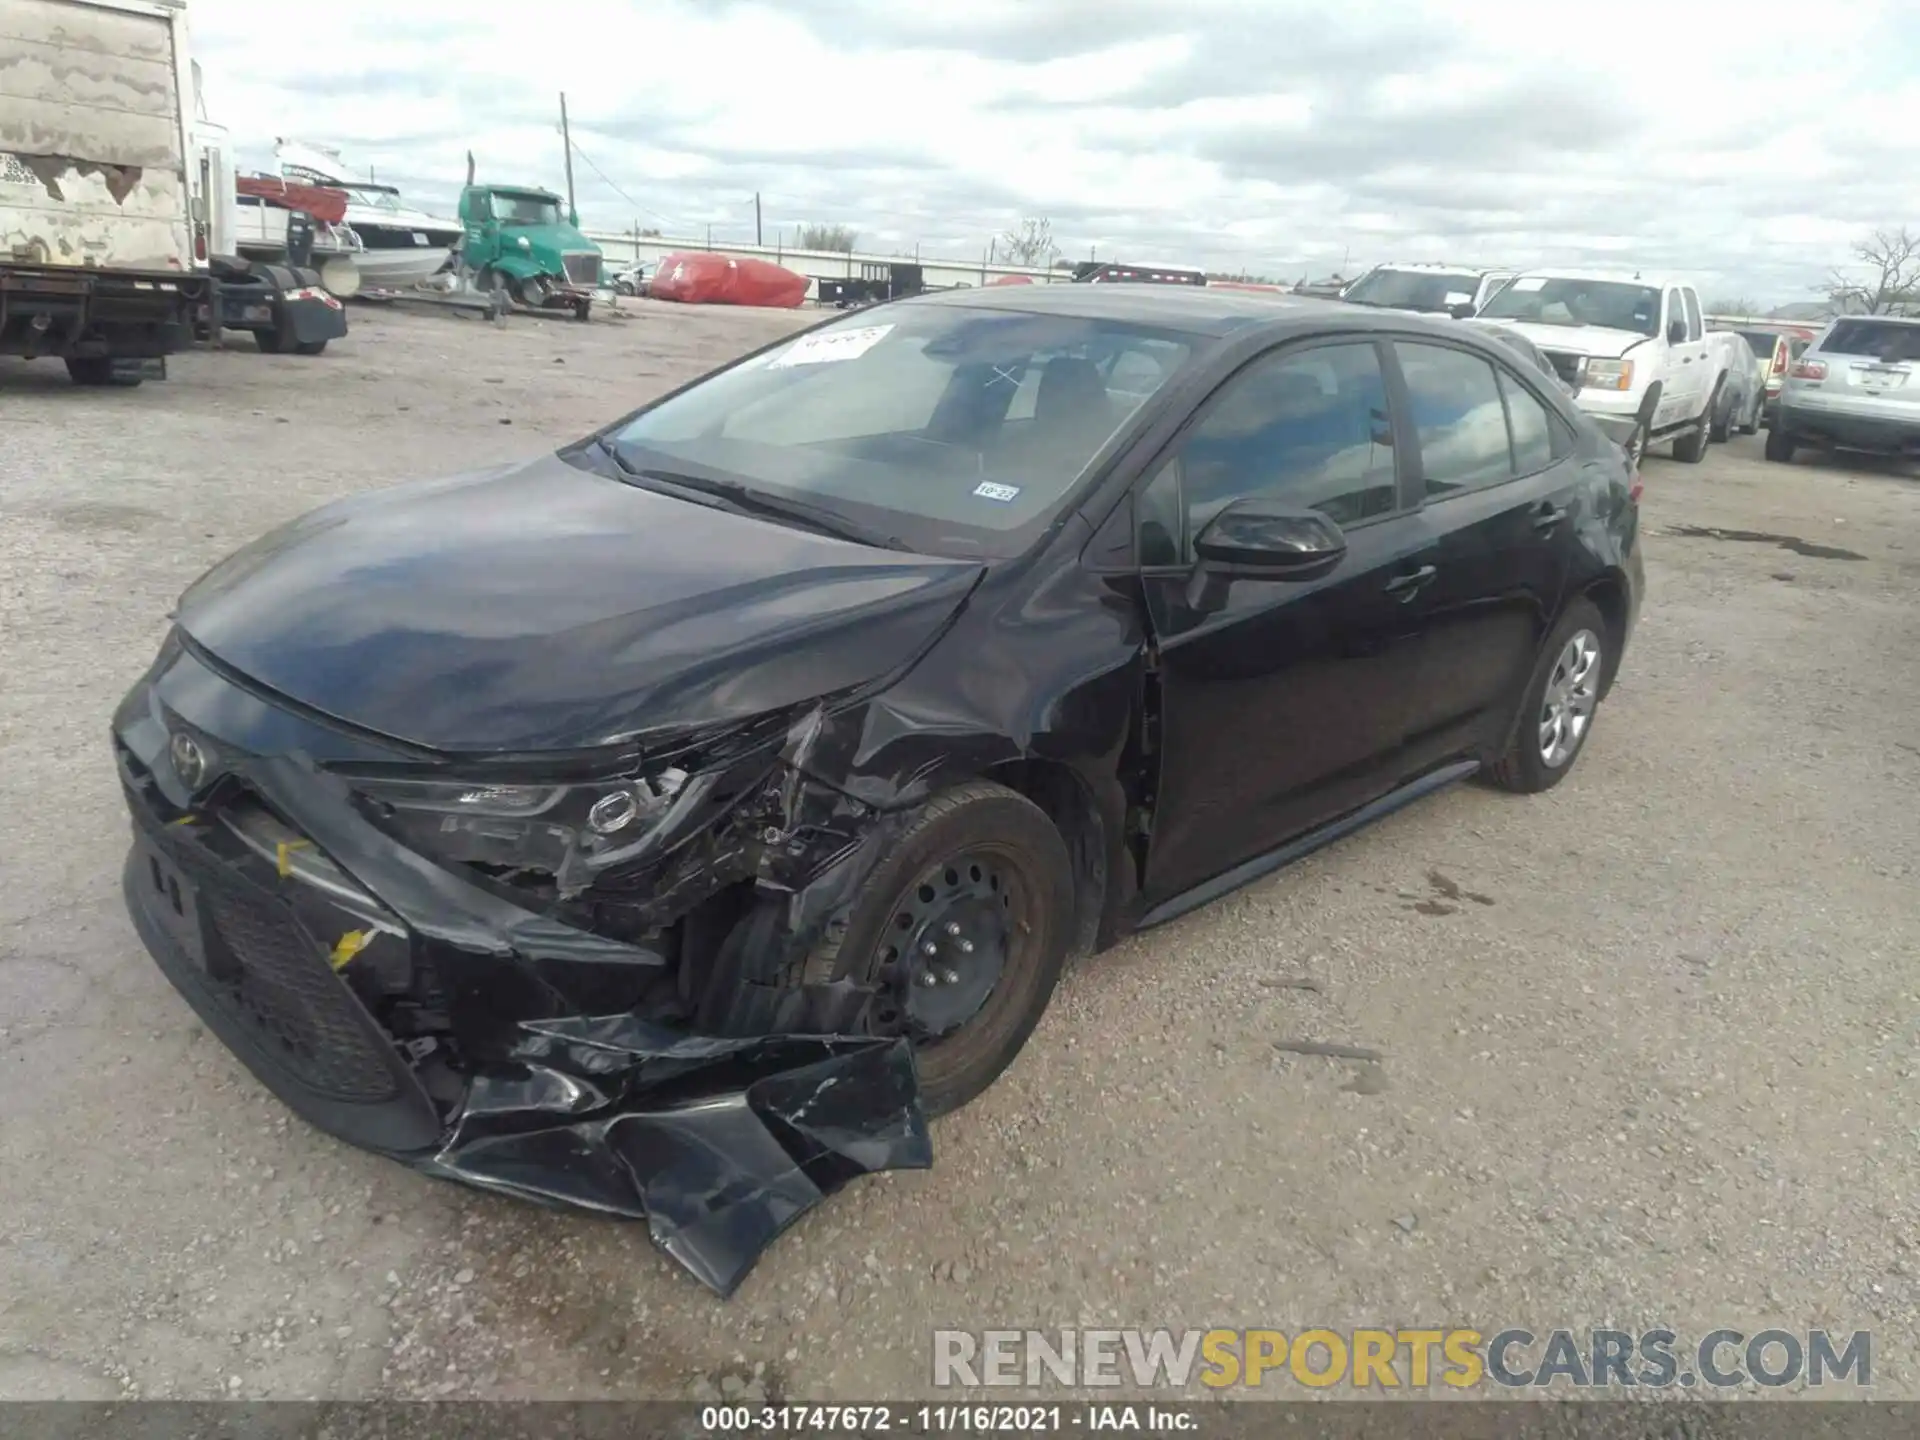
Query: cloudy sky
{"points": [[1748, 143]]}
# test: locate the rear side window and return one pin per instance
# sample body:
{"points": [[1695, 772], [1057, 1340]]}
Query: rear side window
{"points": [[1531, 426], [1694, 328], [1884, 340], [1462, 421]]}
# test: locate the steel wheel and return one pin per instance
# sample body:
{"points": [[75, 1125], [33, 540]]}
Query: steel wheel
{"points": [[1573, 690], [949, 941]]}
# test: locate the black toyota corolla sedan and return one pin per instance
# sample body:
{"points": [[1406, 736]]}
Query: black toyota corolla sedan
{"points": [[782, 739]]}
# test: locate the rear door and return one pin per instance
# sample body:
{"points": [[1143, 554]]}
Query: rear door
{"points": [[1499, 498], [1286, 707]]}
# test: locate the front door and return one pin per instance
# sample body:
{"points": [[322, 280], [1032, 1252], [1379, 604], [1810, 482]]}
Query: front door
{"points": [[1500, 491], [1285, 707]]}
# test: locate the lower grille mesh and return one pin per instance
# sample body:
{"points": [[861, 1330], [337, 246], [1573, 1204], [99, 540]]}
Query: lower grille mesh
{"points": [[271, 976]]}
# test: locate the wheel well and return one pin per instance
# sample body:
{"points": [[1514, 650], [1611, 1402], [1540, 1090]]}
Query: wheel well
{"points": [[1610, 598], [1063, 796]]}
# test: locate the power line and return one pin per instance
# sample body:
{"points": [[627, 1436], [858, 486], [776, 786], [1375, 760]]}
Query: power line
{"points": [[615, 188]]}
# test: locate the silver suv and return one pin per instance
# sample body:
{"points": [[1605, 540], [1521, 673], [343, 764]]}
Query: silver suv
{"points": [[1855, 388]]}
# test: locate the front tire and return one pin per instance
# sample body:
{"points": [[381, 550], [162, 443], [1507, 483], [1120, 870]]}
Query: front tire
{"points": [[964, 928], [1779, 446], [1558, 707]]}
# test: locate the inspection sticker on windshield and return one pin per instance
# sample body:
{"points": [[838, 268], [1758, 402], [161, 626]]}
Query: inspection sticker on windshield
{"points": [[1530, 282], [988, 490], [831, 345]]}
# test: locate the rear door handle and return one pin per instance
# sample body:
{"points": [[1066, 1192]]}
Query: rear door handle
{"points": [[1412, 583], [1548, 516]]}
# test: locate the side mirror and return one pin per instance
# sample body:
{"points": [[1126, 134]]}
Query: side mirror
{"points": [[1461, 311], [1256, 538], [573, 218], [1676, 332]]}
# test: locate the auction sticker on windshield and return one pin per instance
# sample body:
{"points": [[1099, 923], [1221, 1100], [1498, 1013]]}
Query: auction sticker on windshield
{"points": [[1530, 282], [830, 345], [990, 490]]}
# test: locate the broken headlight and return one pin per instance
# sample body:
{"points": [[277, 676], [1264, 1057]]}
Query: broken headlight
{"points": [[521, 826]]}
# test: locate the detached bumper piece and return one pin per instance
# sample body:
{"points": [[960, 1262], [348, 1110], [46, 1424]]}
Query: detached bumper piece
{"points": [[291, 942], [718, 1144]]}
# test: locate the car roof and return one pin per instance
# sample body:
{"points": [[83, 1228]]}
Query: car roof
{"points": [[1196, 309], [1617, 277], [1445, 266]]}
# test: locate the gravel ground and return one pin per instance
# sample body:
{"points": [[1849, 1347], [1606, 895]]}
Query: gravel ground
{"points": [[1649, 1040]]}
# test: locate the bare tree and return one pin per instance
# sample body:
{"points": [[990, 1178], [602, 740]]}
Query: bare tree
{"points": [[1030, 243], [1890, 260], [825, 237], [1740, 306]]}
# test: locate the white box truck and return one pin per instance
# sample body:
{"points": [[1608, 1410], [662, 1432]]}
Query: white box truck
{"points": [[102, 254]]}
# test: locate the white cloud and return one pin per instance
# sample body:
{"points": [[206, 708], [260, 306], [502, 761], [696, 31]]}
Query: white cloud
{"points": [[1747, 142]]}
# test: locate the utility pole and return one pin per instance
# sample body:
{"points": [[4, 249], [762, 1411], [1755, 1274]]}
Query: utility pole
{"points": [[759, 240], [566, 139]]}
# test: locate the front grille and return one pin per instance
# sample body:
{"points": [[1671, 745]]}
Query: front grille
{"points": [[272, 977], [1566, 366], [582, 269]]}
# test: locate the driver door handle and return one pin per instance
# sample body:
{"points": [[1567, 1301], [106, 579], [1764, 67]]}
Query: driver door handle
{"points": [[1412, 583], [1548, 516]]}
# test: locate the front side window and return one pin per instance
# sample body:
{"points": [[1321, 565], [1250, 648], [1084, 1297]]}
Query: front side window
{"points": [[1676, 311], [1554, 300], [958, 430], [1301, 427], [1462, 423]]}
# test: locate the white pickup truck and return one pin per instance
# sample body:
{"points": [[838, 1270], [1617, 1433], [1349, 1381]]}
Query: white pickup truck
{"points": [[1633, 348]]}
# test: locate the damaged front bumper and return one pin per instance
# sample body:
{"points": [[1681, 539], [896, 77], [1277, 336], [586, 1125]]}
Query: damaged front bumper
{"points": [[664, 1064]]}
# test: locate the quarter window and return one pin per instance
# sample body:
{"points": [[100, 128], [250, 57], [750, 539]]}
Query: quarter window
{"points": [[1304, 427], [1458, 413]]}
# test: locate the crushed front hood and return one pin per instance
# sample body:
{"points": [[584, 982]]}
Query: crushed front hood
{"points": [[542, 606]]}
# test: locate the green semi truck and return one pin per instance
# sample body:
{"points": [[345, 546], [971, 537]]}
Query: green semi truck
{"points": [[523, 240]]}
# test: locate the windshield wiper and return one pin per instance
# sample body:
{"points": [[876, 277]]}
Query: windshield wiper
{"points": [[744, 499]]}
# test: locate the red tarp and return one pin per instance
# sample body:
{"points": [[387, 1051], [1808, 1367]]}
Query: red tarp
{"points": [[702, 279], [324, 204], [1011, 280]]}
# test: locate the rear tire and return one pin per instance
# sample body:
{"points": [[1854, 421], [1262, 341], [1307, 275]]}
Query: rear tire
{"points": [[989, 863], [1564, 689], [1779, 447], [310, 347]]}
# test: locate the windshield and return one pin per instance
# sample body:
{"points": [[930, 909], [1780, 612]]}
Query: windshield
{"points": [[1411, 289], [958, 430], [525, 210], [1609, 304]]}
